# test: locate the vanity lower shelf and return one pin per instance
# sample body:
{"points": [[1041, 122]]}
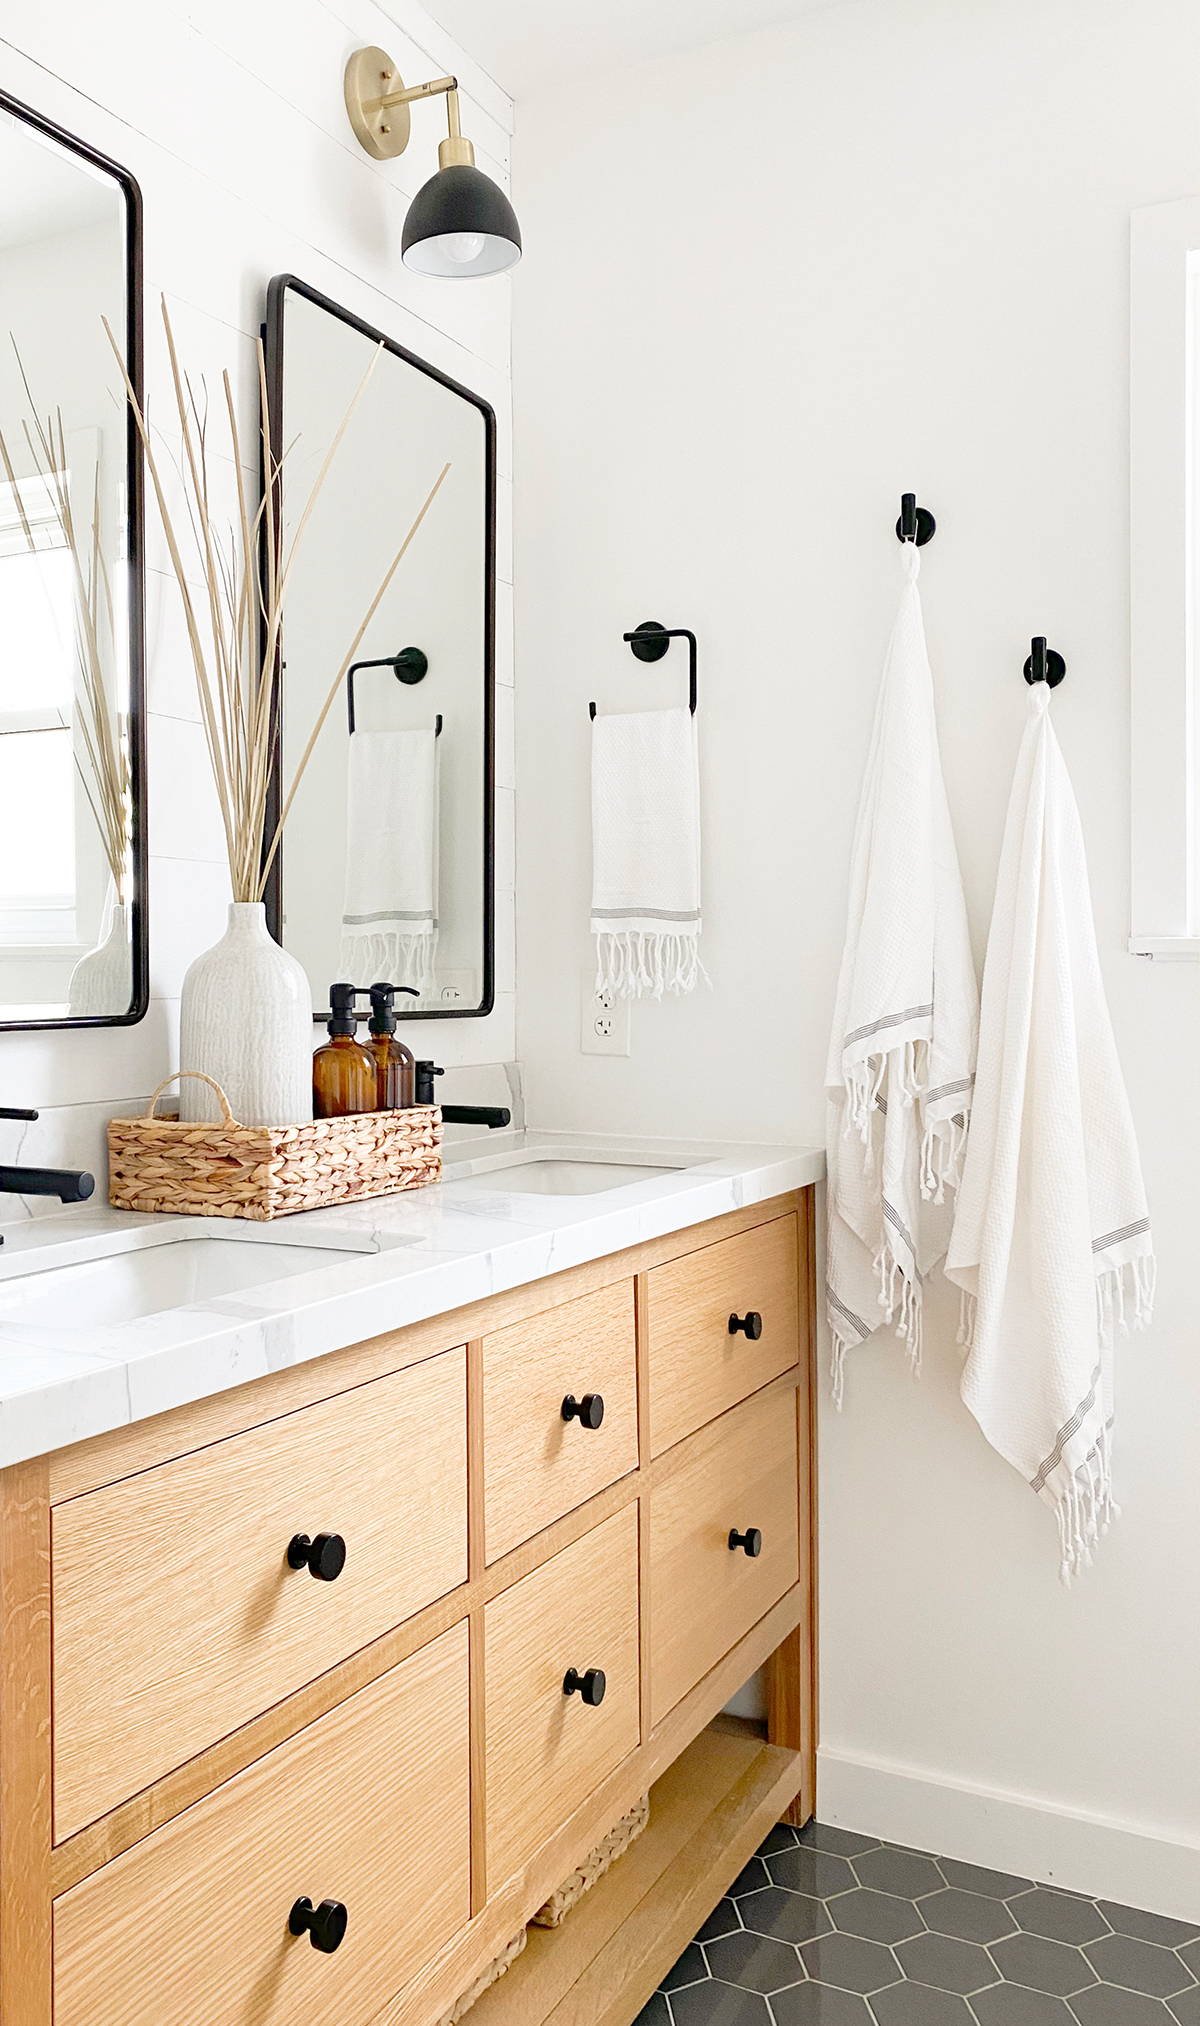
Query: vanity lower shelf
{"points": [[708, 1813]]}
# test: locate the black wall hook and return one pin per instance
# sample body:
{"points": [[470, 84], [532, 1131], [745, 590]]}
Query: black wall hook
{"points": [[1043, 664], [915, 523], [411, 665], [650, 641]]}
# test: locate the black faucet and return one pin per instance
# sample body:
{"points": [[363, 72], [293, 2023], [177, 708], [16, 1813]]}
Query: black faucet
{"points": [[490, 1115], [70, 1185]]}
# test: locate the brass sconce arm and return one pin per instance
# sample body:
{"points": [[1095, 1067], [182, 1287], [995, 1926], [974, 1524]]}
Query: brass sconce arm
{"points": [[377, 101]]}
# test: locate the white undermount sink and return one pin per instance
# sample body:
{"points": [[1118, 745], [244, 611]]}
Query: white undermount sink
{"points": [[98, 1293], [560, 1175]]}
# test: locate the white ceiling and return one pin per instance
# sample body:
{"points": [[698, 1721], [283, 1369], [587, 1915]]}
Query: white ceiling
{"points": [[526, 45]]}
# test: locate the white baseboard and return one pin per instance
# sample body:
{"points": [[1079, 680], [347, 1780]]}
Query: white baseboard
{"points": [[1133, 1864]]}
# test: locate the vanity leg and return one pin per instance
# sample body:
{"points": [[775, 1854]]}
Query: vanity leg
{"points": [[26, 1824], [792, 1668]]}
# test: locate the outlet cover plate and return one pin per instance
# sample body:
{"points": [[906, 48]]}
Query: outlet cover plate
{"points": [[604, 1029]]}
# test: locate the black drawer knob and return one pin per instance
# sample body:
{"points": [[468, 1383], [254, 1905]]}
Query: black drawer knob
{"points": [[324, 1558], [590, 1686], [326, 1924], [589, 1411], [751, 1541], [751, 1323]]}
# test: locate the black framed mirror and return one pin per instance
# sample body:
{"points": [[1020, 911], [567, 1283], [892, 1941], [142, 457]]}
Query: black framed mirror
{"points": [[73, 859], [386, 870]]}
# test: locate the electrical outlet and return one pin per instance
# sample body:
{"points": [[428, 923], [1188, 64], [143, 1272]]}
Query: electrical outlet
{"points": [[605, 1025]]}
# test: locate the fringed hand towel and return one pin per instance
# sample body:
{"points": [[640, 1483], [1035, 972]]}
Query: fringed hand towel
{"points": [[1051, 1219], [646, 853], [902, 1051], [389, 918]]}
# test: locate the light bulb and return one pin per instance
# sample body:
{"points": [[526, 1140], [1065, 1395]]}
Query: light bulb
{"points": [[462, 246]]}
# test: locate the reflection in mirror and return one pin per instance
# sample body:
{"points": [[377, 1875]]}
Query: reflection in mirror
{"points": [[72, 914], [387, 850]]}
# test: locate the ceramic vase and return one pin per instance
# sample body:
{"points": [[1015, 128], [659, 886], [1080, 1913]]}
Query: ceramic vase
{"points": [[246, 1020], [102, 981]]}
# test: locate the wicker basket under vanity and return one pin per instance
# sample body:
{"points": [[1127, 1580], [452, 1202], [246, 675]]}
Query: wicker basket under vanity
{"points": [[231, 1170]]}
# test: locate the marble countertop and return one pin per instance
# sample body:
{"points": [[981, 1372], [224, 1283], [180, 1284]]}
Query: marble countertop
{"points": [[393, 1260]]}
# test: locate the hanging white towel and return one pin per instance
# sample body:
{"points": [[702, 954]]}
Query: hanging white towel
{"points": [[646, 853], [1051, 1216], [389, 918], [902, 1050]]}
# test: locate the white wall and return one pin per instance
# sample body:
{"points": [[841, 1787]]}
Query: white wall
{"points": [[232, 119], [766, 288]]}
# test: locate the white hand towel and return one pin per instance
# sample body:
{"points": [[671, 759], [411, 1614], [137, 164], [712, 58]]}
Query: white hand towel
{"points": [[389, 917], [646, 853], [1052, 1212], [902, 1051]]}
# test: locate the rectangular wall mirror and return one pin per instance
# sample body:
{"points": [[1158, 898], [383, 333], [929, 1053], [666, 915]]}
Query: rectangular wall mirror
{"points": [[386, 868], [73, 938]]}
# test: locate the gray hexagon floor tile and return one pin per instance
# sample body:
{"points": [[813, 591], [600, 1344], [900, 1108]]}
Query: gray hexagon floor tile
{"points": [[1059, 1919], [827, 1927], [1043, 1965], [819, 2005], [947, 1964], [688, 1969], [723, 1920], [714, 2004], [750, 1877], [1138, 1966], [807, 1870], [838, 1842], [876, 1916], [898, 1871], [1104, 2005], [851, 1964], [1148, 1927], [976, 1878], [1013, 2005], [789, 1916], [754, 1962], [969, 1915], [920, 2005]]}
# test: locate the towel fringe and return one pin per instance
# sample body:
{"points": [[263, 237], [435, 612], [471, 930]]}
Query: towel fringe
{"points": [[404, 959], [837, 1369], [1085, 1509], [967, 1308], [900, 1298], [1111, 1291], [641, 963], [943, 1146]]}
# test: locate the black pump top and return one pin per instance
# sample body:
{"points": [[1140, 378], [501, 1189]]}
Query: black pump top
{"points": [[344, 1019], [383, 1010]]}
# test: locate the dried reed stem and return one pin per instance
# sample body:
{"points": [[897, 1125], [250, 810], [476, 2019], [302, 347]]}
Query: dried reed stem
{"points": [[235, 644]]}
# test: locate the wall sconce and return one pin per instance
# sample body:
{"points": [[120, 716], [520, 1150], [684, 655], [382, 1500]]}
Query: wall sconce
{"points": [[460, 222]]}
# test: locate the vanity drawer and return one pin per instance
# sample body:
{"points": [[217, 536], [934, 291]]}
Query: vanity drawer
{"points": [[176, 1616], [740, 1474], [536, 1465], [370, 1806], [545, 1750], [697, 1367]]}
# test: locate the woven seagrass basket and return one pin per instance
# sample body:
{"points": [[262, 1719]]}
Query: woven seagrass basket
{"points": [[231, 1170]]}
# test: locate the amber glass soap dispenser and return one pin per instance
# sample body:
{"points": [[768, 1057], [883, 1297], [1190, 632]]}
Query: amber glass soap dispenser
{"points": [[344, 1078], [393, 1061]]}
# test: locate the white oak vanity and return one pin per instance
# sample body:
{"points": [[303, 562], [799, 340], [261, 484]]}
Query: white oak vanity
{"points": [[210, 1714]]}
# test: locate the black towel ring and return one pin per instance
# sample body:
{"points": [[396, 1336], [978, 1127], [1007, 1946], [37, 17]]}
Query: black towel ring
{"points": [[410, 666], [650, 641]]}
